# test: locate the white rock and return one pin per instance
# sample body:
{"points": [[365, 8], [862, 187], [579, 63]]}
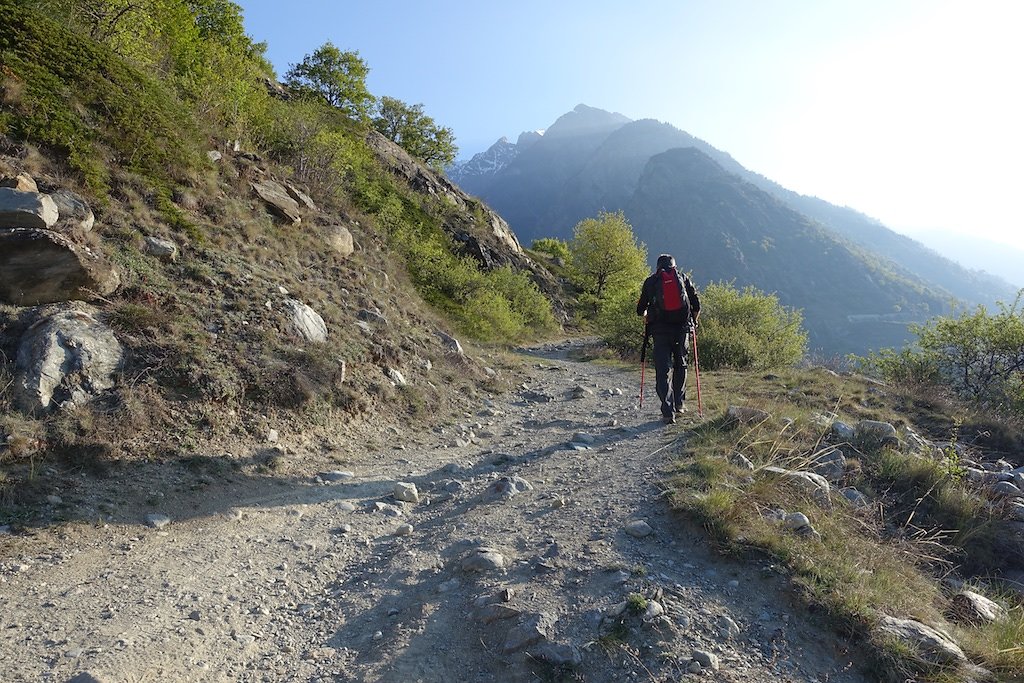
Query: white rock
{"points": [[20, 209], [406, 492], [707, 660], [932, 645], [161, 248], [483, 559], [306, 322], [396, 376]]}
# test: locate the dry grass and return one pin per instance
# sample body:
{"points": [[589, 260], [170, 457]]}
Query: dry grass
{"points": [[924, 523]]}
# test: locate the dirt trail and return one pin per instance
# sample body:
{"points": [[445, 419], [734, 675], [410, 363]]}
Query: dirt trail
{"points": [[306, 581]]}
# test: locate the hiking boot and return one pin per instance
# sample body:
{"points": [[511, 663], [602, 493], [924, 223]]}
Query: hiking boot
{"points": [[669, 419], [680, 408]]}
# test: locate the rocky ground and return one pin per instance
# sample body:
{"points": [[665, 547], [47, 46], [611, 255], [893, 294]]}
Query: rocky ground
{"points": [[533, 543]]}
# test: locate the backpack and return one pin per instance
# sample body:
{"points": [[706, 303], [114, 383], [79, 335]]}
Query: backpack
{"points": [[670, 298]]}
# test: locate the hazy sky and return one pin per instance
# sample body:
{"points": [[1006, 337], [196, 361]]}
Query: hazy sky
{"points": [[909, 111]]}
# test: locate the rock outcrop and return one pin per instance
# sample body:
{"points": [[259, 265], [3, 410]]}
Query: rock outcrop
{"points": [[277, 199], [41, 266]]}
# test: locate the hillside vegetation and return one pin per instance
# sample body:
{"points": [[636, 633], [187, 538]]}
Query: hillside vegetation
{"points": [[166, 121]]}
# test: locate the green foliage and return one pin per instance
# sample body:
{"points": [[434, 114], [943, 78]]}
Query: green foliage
{"points": [[605, 259], [74, 95], [338, 77], [552, 246], [980, 355], [747, 329], [620, 327], [415, 132]]}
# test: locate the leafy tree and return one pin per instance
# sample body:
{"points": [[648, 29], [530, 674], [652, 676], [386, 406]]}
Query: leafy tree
{"points": [[605, 258], [415, 132], [339, 77], [747, 329]]}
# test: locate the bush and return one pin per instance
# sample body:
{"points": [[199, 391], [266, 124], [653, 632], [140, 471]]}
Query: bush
{"points": [[747, 329], [977, 354], [552, 246]]}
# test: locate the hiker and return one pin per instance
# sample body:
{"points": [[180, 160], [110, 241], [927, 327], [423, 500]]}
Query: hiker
{"points": [[671, 307]]}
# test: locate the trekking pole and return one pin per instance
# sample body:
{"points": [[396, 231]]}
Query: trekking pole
{"points": [[696, 371], [643, 365]]}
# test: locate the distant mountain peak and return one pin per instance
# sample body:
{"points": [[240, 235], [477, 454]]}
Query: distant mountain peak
{"points": [[586, 120]]}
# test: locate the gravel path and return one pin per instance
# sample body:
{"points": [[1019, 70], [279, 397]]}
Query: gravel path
{"points": [[516, 564]]}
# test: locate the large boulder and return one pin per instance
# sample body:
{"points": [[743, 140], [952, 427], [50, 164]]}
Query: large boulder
{"points": [[339, 238], [19, 181], [42, 266], [277, 200], [65, 359], [21, 209], [931, 645]]}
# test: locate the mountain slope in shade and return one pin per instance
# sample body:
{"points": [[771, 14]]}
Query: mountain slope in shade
{"points": [[546, 189], [723, 228], [978, 253]]}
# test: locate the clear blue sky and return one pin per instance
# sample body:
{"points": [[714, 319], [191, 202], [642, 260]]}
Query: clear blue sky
{"points": [[910, 111]]}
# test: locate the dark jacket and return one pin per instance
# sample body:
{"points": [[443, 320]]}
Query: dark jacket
{"points": [[658, 322]]}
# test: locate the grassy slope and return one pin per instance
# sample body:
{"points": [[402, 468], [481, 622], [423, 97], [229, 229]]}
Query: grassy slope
{"points": [[212, 361], [925, 524]]}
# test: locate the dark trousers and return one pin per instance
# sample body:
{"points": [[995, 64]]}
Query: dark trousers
{"points": [[670, 353]]}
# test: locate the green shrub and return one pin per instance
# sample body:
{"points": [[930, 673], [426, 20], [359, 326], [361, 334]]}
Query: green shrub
{"points": [[979, 355], [747, 329], [552, 246]]}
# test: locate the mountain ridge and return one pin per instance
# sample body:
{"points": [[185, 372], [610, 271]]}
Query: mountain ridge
{"points": [[545, 190]]}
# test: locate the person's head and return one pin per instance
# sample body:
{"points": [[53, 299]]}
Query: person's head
{"points": [[666, 262]]}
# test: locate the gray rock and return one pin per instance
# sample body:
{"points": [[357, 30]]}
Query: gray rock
{"points": [[451, 344], [638, 528], [831, 464], [581, 437], [810, 482], [22, 182], [557, 654], [532, 630], [388, 510], [300, 196], [1014, 509], [875, 433], [746, 415], [73, 211], [973, 608], [795, 521], [157, 520], [161, 248], [42, 266], [496, 612], [727, 628], [483, 560], [856, 498], [406, 492], [277, 200], [505, 488], [843, 432], [306, 322], [339, 239], [403, 530], [707, 660], [214, 156], [19, 209], [375, 317], [65, 359], [932, 646], [580, 391]]}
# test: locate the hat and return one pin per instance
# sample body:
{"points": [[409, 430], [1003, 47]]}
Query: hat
{"points": [[665, 261]]}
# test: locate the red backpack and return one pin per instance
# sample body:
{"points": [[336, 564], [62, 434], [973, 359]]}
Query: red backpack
{"points": [[670, 300]]}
